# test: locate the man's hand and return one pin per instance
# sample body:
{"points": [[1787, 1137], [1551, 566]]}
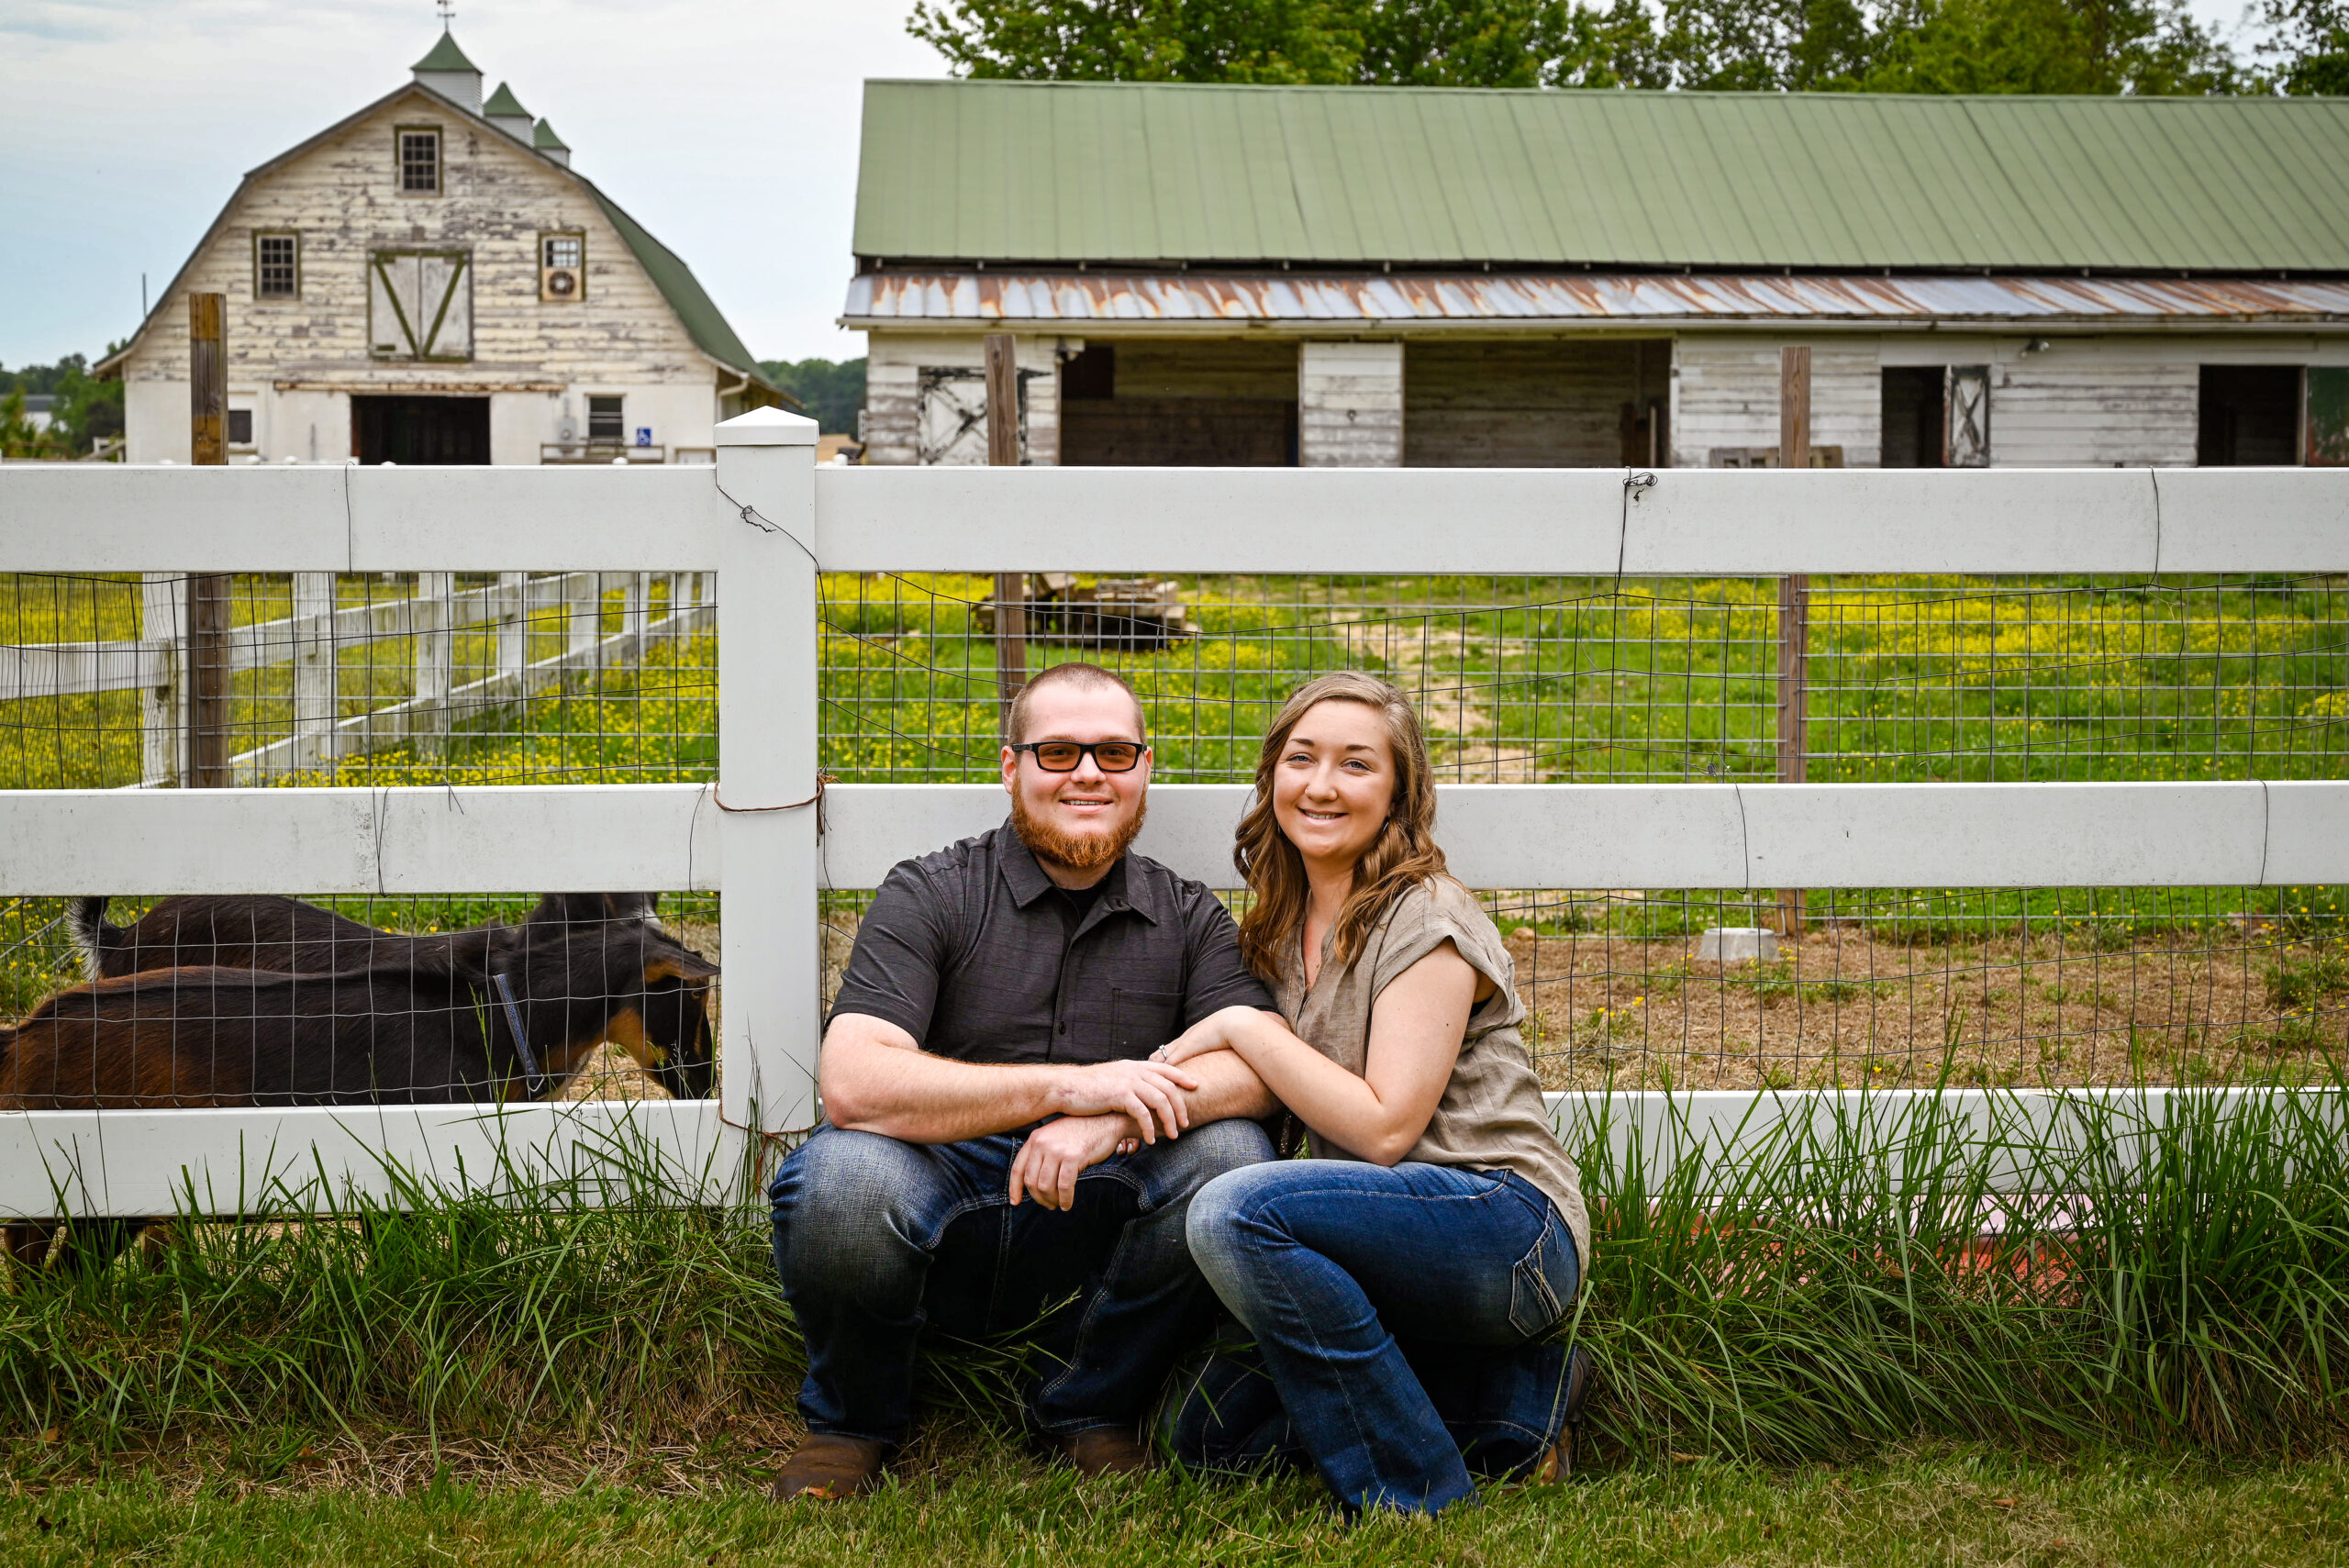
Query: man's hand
{"points": [[1151, 1093], [1057, 1153]]}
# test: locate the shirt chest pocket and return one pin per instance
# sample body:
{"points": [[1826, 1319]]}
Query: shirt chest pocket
{"points": [[1140, 1021]]}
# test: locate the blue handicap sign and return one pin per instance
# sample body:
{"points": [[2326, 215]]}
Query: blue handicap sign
{"points": [[644, 435]]}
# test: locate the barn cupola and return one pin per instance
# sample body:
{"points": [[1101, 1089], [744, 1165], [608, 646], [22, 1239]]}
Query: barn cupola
{"points": [[447, 71], [553, 146], [504, 111]]}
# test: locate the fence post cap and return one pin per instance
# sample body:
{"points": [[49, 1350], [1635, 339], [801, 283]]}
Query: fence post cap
{"points": [[767, 428]]}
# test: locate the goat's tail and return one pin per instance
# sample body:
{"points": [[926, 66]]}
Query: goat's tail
{"points": [[87, 919]]}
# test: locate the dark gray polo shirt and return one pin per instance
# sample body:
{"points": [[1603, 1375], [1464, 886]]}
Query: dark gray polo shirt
{"points": [[972, 951]]}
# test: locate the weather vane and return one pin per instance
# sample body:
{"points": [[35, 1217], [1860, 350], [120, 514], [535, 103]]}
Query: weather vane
{"points": [[447, 13]]}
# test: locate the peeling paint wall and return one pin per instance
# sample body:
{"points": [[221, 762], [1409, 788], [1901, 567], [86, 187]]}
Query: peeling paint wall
{"points": [[1349, 405], [893, 393], [1726, 394], [296, 362]]}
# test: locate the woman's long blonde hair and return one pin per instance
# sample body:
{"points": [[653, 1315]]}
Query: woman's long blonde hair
{"points": [[1404, 855]]}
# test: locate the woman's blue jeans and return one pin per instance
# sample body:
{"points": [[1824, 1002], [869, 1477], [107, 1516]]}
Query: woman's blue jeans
{"points": [[1401, 1320]]}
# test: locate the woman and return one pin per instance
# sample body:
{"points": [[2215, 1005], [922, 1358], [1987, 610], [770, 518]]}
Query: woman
{"points": [[1402, 1285]]}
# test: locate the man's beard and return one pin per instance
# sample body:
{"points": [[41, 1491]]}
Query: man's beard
{"points": [[1074, 852]]}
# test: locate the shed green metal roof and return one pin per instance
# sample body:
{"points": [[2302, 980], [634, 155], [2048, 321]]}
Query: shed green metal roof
{"points": [[445, 56], [543, 138], [1063, 172], [504, 104]]}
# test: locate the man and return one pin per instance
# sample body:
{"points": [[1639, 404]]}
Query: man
{"points": [[998, 1139]]}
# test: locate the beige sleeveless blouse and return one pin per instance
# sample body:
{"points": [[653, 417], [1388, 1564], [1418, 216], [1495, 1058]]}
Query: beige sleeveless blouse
{"points": [[1491, 1117]]}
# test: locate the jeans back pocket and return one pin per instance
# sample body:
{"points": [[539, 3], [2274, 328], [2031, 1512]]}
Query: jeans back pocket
{"points": [[1533, 1304]]}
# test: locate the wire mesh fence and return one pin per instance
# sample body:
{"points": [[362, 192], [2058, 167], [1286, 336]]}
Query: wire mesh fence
{"points": [[521, 678]]}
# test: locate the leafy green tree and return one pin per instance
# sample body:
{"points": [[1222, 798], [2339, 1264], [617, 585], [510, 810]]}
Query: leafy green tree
{"points": [[2309, 40], [832, 393], [86, 409], [1914, 46]]}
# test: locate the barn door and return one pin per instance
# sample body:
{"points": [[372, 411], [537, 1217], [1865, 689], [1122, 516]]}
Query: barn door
{"points": [[419, 305], [951, 417], [1967, 398]]}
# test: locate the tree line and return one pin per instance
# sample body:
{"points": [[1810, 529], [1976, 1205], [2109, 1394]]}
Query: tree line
{"points": [[1879, 46], [87, 409]]}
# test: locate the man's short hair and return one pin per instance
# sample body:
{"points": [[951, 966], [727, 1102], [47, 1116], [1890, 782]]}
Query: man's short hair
{"points": [[1015, 726]]}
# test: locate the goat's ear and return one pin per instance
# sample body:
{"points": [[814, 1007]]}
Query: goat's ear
{"points": [[682, 964]]}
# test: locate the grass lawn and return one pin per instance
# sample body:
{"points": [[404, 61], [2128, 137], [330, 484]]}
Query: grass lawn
{"points": [[1937, 1506]]}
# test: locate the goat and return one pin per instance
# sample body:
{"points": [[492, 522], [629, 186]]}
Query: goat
{"points": [[425, 1027], [422, 1029], [293, 937]]}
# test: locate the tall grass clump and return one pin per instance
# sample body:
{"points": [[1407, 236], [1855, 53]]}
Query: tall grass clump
{"points": [[2046, 1270], [2040, 1270]]}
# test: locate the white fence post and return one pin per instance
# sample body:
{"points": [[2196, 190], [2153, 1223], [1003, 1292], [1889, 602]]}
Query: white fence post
{"points": [[766, 755], [583, 598], [162, 707], [314, 669], [513, 634], [436, 663]]}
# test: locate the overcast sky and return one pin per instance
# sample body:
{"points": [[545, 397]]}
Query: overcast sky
{"points": [[729, 128]]}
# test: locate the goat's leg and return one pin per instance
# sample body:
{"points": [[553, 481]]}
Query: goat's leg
{"points": [[26, 1240], [91, 1244]]}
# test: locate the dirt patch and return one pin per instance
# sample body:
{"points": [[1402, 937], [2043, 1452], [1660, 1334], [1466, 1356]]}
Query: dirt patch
{"points": [[1841, 1008]]}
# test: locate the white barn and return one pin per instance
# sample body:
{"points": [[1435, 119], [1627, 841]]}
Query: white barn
{"points": [[429, 281]]}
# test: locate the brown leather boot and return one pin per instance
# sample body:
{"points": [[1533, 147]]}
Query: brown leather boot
{"points": [[1104, 1451], [829, 1467], [1559, 1462]]}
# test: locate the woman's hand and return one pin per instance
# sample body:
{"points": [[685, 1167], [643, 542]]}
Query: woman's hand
{"points": [[1214, 1032]]}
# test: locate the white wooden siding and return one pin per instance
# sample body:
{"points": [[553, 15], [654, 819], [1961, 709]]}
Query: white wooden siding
{"points": [[1727, 396], [1349, 405], [893, 392]]}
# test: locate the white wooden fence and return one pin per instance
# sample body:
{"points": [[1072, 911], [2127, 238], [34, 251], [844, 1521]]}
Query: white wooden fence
{"points": [[765, 518], [312, 639]]}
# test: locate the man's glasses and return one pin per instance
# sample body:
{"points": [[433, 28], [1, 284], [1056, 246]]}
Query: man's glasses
{"points": [[1062, 756]]}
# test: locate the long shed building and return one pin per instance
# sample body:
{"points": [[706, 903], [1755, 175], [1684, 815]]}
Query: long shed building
{"points": [[1449, 277]]}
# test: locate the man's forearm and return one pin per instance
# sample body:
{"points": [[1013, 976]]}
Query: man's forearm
{"points": [[919, 1098], [1228, 1087]]}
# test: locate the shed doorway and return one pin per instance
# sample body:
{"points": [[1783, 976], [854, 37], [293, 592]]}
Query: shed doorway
{"points": [[1214, 403], [420, 431]]}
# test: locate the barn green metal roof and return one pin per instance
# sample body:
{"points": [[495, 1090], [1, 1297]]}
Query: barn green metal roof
{"points": [[1061, 172], [444, 55]]}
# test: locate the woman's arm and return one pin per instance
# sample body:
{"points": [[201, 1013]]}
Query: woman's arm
{"points": [[1415, 1033]]}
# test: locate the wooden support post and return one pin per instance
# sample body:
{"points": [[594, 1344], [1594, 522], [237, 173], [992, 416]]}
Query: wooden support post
{"points": [[434, 608], [1794, 612], [314, 669], [209, 605], [1010, 587]]}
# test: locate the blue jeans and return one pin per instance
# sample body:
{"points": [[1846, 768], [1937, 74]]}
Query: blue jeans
{"points": [[877, 1240], [1401, 1320]]}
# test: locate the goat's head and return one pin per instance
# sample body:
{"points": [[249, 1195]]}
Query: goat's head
{"points": [[667, 1029]]}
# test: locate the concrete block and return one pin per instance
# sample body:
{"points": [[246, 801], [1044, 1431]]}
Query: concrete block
{"points": [[1737, 944]]}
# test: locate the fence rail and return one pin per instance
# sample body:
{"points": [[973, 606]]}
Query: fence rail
{"points": [[766, 515]]}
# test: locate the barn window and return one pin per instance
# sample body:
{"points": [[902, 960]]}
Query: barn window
{"points": [[419, 161], [241, 427], [562, 267], [606, 424], [277, 261]]}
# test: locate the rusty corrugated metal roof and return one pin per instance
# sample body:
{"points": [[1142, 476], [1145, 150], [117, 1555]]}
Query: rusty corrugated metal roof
{"points": [[1038, 174], [894, 298]]}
